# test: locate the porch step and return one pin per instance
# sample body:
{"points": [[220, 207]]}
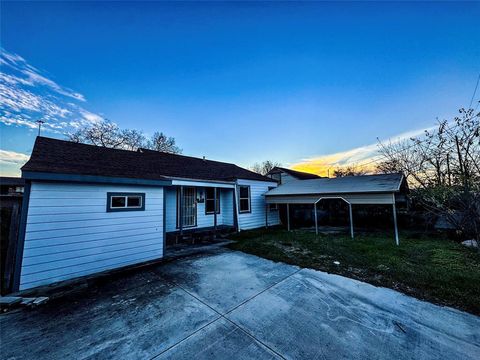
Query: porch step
{"points": [[11, 302]]}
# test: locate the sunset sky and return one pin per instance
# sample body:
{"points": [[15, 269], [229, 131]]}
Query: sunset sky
{"points": [[310, 85]]}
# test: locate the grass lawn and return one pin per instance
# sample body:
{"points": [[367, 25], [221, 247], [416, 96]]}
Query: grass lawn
{"points": [[430, 268]]}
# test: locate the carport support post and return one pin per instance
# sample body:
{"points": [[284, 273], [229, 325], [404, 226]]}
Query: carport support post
{"points": [[397, 241], [288, 217], [351, 219], [266, 215], [316, 220]]}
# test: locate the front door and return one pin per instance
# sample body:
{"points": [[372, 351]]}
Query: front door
{"points": [[188, 215]]}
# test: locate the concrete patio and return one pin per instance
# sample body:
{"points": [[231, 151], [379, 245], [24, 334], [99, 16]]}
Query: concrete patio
{"points": [[225, 304]]}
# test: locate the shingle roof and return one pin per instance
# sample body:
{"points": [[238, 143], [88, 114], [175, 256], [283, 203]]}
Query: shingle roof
{"points": [[65, 157], [297, 174], [341, 185]]}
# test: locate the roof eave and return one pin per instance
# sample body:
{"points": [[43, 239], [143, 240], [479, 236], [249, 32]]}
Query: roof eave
{"points": [[62, 177]]}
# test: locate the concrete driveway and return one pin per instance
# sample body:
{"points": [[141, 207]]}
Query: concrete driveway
{"points": [[225, 304]]}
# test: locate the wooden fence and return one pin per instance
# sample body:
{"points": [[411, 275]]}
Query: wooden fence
{"points": [[10, 206]]}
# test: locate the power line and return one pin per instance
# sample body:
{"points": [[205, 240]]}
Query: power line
{"points": [[402, 150], [474, 92], [422, 141], [382, 157]]}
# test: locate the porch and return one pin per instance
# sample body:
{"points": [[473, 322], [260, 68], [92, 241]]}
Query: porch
{"points": [[199, 213]]}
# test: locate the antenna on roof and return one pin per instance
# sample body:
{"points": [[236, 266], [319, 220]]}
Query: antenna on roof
{"points": [[204, 158], [40, 122]]}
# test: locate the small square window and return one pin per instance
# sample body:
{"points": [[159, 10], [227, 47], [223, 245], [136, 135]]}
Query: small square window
{"points": [[125, 202]]}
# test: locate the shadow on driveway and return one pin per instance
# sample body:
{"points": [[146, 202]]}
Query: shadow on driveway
{"points": [[225, 304]]}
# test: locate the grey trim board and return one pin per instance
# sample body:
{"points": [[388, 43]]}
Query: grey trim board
{"points": [[31, 175]]}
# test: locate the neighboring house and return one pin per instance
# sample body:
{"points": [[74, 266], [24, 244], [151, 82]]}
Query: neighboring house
{"points": [[284, 175], [88, 208], [11, 186], [11, 192]]}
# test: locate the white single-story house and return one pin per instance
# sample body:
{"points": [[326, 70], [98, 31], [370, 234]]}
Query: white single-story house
{"points": [[89, 209]]}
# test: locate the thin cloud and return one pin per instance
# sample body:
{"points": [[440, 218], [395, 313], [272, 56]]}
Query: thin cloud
{"points": [[33, 77], [12, 158], [363, 156], [27, 95]]}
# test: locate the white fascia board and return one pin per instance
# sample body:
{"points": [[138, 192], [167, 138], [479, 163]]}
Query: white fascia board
{"points": [[202, 183]]}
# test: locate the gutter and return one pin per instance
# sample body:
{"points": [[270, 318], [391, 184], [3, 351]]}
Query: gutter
{"points": [[44, 176]]}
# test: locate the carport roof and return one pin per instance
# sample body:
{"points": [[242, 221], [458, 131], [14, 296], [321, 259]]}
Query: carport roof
{"points": [[384, 183]]}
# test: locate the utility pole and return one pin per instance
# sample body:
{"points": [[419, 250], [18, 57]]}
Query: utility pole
{"points": [[40, 122]]}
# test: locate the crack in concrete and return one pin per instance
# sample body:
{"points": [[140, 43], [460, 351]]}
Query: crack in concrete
{"points": [[223, 316]]}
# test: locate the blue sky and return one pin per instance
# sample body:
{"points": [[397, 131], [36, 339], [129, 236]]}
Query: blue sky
{"points": [[299, 83]]}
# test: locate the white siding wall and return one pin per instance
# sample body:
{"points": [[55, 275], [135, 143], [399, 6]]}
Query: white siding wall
{"points": [[256, 218], [203, 220], [70, 234]]}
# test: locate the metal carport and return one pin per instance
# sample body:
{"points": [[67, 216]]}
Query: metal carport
{"points": [[381, 189]]}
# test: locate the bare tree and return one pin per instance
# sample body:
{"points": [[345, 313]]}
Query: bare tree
{"points": [[104, 133], [443, 167], [164, 143], [264, 167], [351, 170], [107, 134]]}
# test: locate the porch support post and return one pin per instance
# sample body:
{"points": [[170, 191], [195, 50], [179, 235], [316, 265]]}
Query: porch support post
{"points": [[266, 215], [235, 212], [180, 211], [351, 219], [397, 241], [214, 212], [288, 217], [316, 220]]}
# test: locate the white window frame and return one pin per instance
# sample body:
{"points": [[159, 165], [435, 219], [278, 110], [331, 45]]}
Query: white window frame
{"points": [[217, 205], [244, 198]]}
